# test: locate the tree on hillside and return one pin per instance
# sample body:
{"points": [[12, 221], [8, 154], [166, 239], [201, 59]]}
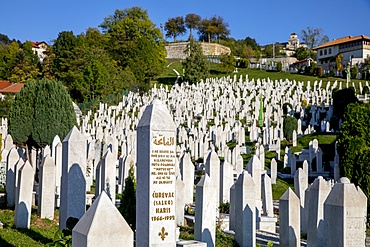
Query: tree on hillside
{"points": [[86, 66], [290, 124], [354, 146], [252, 42], [301, 53], [313, 37], [42, 110], [4, 39], [135, 43], [228, 63], [192, 22], [195, 65], [221, 27], [175, 27], [213, 28], [27, 65], [8, 59]]}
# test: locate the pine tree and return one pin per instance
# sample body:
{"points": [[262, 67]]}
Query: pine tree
{"points": [[42, 110], [196, 65]]}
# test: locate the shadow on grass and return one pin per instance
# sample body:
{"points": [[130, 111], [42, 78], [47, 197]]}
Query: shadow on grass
{"points": [[4, 243], [34, 235]]}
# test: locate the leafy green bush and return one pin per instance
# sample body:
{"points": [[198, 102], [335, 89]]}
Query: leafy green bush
{"points": [[64, 237], [224, 207], [354, 72], [290, 124], [319, 71], [243, 63]]}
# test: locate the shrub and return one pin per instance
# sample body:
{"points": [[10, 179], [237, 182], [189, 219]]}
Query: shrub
{"points": [[279, 66], [319, 71], [354, 72]]}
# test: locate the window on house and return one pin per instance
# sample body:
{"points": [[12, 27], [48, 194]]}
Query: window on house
{"points": [[320, 52], [325, 52], [329, 50]]}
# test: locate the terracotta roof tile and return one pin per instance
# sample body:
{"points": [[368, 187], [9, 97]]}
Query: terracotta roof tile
{"points": [[13, 88], [4, 84]]}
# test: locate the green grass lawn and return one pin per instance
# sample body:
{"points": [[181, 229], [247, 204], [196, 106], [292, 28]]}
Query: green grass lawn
{"points": [[279, 188], [40, 233]]}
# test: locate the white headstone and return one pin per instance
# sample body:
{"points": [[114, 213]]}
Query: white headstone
{"points": [[57, 155], [180, 201], [23, 206], [267, 202], [156, 181], [254, 168], [102, 225], [245, 210], [46, 200], [318, 192], [289, 208], [205, 212], [226, 181], [212, 167], [73, 184], [12, 159], [273, 171], [294, 138], [108, 175], [345, 209], [187, 173]]}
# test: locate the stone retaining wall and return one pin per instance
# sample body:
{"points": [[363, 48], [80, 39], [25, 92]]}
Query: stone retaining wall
{"points": [[176, 50]]}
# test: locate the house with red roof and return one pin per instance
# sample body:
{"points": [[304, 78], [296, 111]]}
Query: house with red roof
{"points": [[40, 49], [353, 48], [6, 87]]}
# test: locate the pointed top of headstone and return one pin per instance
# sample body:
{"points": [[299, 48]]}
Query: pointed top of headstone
{"points": [[273, 161], [56, 140], [254, 162], [212, 158], [288, 194], [13, 155], [8, 142], [48, 161], [74, 134], [26, 167], [204, 180], [94, 221], [157, 116]]}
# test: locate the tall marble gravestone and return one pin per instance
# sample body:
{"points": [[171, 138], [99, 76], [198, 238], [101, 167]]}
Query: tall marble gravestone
{"points": [[23, 206], [205, 211], [73, 182], [47, 188], [11, 183], [156, 179], [245, 210], [289, 219], [344, 216]]}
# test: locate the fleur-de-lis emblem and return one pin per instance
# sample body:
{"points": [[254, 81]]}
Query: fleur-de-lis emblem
{"points": [[163, 233]]}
